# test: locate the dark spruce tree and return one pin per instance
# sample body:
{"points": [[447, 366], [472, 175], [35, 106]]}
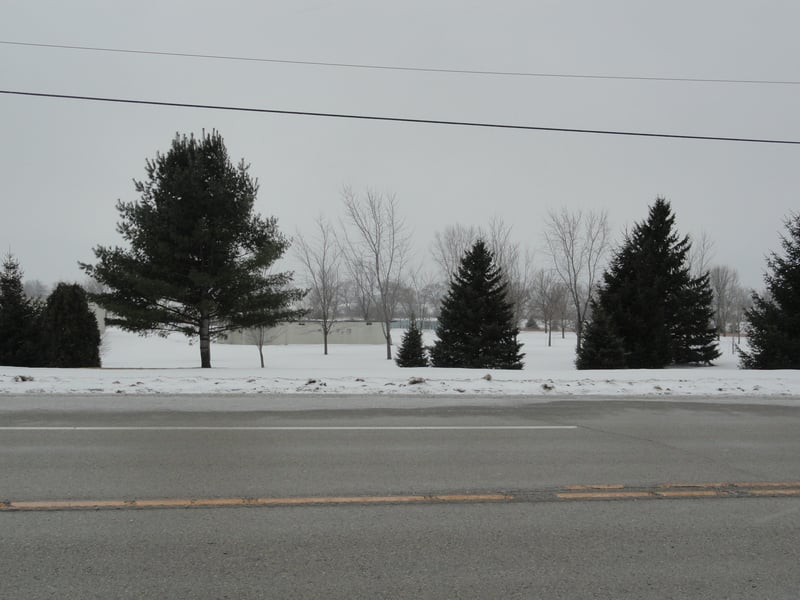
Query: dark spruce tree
{"points": [[773, 322], [695, 340], [199, 256], [70, 336], [412, 353], [19, 330], [476, 323], [601, 347], [649, 304]]}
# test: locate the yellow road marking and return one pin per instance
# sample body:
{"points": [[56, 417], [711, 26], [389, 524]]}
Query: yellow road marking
{"points": [[570, 492], [590, 495], [693, 485], [473, 498], [599, 486], [224, 502], [680, 490], [768, 492], [758, 484], [55, 504], [689, 493]]}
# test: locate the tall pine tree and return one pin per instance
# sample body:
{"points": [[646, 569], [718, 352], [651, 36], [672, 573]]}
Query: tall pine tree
{"points": [[199, 256], [649, 305], [773, 323], [476, 323], [19, 332]]}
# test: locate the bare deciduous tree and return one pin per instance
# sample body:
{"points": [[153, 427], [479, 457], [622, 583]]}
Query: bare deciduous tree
{"points": [[351, 306], [725, 285], [545, 301], [421, 296], [700, 255], [450, 245], [741, 302], [320, 257], [358, 289], [578, 242], [562, 304], [259, 337], [377, 242], [519, 277], [549, 301], [498, 237], [517, 266], [262, 334]]}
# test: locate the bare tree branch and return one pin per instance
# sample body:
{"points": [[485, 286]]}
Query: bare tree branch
{"points": [[450, 245], [700, 255], [321, 259], [517, 266], [578, 242], [378, 243]]}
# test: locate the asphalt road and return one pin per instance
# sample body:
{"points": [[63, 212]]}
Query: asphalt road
{"points": [[737, 545]]}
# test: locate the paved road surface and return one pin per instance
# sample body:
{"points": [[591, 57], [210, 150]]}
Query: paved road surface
{"points": [[738, 545]]}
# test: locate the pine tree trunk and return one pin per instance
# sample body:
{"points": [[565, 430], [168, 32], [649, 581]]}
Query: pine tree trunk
{"points": [[205, 342]]}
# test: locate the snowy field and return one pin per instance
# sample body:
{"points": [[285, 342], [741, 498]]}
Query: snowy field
{"points": [[153, 365]]}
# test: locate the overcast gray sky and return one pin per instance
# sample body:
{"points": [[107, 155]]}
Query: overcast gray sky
{"points": [[64, 163]]}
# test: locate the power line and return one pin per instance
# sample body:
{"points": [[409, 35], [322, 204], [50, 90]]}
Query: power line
{"points": [[401, 119], [402, 68]]}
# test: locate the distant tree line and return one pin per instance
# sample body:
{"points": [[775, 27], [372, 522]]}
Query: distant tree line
{"points": [[657, 303], [201, 262]]}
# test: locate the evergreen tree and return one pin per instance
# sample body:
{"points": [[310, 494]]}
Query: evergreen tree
{"points": [[411, 352], [476, 323], [601, 347], [773, 322], [70, 336], [649, 304], [695, 341], [199, 256], [18, 319]]}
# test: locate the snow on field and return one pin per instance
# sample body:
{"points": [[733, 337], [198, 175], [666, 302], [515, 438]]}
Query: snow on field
{"points": [[154, 365]]}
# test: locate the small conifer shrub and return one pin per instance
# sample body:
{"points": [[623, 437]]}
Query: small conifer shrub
{"points": [[411, 352]]}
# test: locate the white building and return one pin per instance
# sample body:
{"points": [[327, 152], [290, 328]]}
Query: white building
{"points": [[310, 332]]}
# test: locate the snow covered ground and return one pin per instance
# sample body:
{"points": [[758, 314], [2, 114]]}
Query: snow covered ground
{"points": [[153, 365]]}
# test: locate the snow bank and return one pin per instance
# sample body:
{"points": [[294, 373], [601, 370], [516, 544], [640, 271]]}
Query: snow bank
{"points": [[153, 365]]}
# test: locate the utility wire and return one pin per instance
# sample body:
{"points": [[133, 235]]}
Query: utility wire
{"points": [[402, 119], [409, 69]]}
